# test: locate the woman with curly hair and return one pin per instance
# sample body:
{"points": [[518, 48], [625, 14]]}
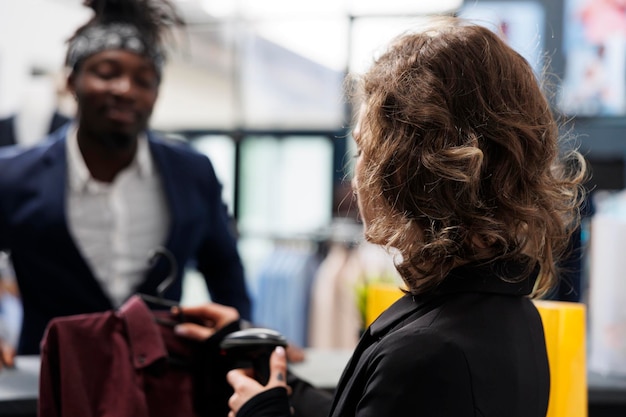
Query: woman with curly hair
{"points": [[459, 173]]}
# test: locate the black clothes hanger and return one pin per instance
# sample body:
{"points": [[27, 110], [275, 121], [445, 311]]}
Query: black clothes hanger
{"points": [[159, 300]]}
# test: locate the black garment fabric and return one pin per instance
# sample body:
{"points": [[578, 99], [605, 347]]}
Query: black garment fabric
{"points": [[306, 400]]}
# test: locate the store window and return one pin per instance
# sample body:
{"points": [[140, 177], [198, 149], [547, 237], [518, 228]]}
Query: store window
{"points": [[286, 80], [520, 23], [286, 193], [594, 47], [286, 184], [221, 150]]}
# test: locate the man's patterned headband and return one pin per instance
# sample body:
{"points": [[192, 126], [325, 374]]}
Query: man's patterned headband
{"points": [[101, 37]]}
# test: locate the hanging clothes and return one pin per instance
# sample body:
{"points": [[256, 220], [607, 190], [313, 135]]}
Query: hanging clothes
{"points": [[283, 290], [125, 364], [334, 318]]}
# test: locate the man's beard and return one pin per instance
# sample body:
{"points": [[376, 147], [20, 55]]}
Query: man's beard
{"points": [[117, 141]]}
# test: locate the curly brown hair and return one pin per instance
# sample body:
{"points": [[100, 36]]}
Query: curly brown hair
{"points": [[461, 158]]}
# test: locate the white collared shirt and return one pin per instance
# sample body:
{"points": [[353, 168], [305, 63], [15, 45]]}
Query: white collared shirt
{"points": [[116, 225]]}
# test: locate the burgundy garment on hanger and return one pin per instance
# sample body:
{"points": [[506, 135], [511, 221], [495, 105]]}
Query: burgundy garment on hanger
{"points": [[126, 364]]}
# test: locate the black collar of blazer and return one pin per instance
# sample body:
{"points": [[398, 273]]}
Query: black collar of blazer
{"points": [[499, 277]]}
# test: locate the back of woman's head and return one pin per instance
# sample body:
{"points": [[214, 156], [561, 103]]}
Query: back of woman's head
{"points": [[461, 154]]}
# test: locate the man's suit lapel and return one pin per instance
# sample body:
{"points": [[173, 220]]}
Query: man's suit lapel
{"points": [[54, 185], [176, 202], [53, 189]]}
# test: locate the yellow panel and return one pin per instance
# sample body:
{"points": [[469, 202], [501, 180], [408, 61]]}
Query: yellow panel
{"points": [[564, 327], [379, 297]]}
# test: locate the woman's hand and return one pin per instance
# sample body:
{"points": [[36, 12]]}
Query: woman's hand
{"points": [[246, 387], [208, 319]]}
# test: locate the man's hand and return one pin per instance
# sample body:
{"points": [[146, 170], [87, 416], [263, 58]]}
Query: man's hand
{"points": [[211, 317], [7, 355]]}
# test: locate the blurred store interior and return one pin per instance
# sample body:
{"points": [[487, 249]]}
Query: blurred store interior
{"points": [[261, 86]]}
